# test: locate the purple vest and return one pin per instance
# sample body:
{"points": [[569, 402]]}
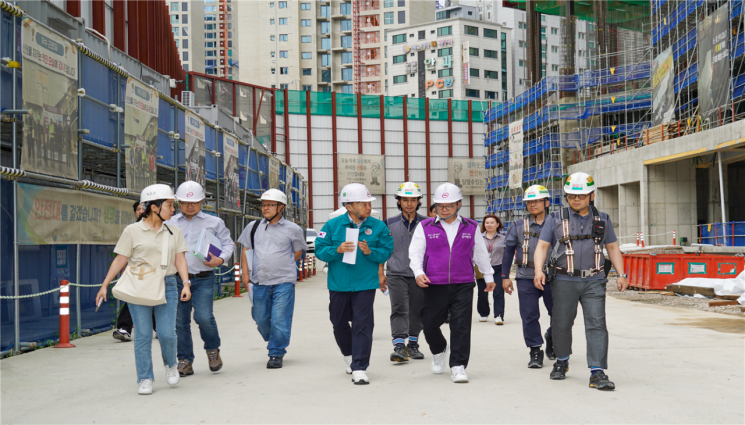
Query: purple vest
{"points": [[443, 265]]}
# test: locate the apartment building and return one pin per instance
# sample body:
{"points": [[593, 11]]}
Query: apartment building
{"points": [[309, 45], [203, 30], [456, 57]]}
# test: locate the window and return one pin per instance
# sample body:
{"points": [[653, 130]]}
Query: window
{"points": [[346, 25], [283, 54], [210, 44], [273, 71], [306, 55], [349, 88], [401, 3], [185, 57], [445, 73], [347, 57], [283, 37], [325, 60], [522, 44], [543, 30], [401, 38], [305, 22], [543, 18], [386, 68], [210, 8], [444, 52], [174, 7], [177, 43], [388, 18], [211, 18], [307, 88], [444, 94], [271, 38], [325, 27], [176, 32], [521, 82], [490, 94], [272, 53], [306, 39], [283, 21], [398, 79], [283, 86], [421, 35], [494, 75], [401, 15], [185, 19], [490, 33], [174, 19], [555, 68], [210, 53], [347, 74], [386, 51], [185, 32], [271, 22], [473, 93], [554, 31], [522, 62], [399, 59], [473, 51], [184, 6], [491, 54], [445, 14], [474, 72], [304, 6], [271, 4], [325, 43], [522, 25], [210, 35], [210, 27], [307, 71], [555, 49], [283, 5], [592, 45], [581, 36], [284, 70], [325, 11], [469, 30], [346, 8], [346, 41], [442, 31], [388, 3]]}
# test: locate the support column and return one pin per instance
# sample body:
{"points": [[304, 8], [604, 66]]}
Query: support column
{"points": [[271, 114], [470, 149], [120, 24], [310, 157], [359, 123], [406, 141], [287, 125], [382, 152], [98, 12], [334, 149], [426, 149], [533, 32]]}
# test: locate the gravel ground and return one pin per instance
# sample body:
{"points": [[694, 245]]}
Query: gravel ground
{"points": [[671, 301]]}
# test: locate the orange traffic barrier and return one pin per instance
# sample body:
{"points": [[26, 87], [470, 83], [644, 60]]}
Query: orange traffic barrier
{"points": [[64, 316], [237, 280]]}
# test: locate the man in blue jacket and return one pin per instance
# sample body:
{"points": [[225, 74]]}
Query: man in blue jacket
{"points": [[352, 286]]}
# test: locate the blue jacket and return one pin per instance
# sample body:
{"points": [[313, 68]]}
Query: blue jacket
{"points": [[363, 275]]}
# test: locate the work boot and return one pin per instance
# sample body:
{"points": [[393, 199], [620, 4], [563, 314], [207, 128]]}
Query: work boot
{"points": [[549, 346], [600, 381], [399, 354], [122, 335], [560, 369], [275, 362], [414, 353], [213, 356], [184, 368], [536, 358]]}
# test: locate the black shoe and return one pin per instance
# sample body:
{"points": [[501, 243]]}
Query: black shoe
{"points": [[413, 350], [560, 369], [400, 354], [600, 381], [275, 362], [550, 346], [536, 358]]}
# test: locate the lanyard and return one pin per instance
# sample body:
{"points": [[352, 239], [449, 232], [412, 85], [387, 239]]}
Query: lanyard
{"points": [[490, 243]]}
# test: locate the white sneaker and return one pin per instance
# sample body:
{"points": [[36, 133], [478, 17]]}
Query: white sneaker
{"points": [[359, 377], [146, 387], [498, 320], [483, 319], [122, 335], [438, 361], [458, 374], [348, 362], [172, 375]]}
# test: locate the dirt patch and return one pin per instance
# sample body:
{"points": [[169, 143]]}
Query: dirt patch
{"points": [[732, 326]]}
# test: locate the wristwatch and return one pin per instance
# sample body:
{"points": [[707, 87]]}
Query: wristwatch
{"points": [[187, 281], [624, 275]]}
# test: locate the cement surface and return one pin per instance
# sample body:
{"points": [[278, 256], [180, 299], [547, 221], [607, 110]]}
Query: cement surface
{"points": [[669, 365]]}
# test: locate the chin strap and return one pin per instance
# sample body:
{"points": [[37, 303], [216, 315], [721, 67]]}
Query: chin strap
{"points": [[451, 215]]}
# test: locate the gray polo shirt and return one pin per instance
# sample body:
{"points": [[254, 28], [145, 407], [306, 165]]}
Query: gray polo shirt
{"points": [[274, 253], [515, 238], [584, 250], [402, 231]]}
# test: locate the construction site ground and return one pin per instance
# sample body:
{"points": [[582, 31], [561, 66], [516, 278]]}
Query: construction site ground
{"points": [[670, 365]]}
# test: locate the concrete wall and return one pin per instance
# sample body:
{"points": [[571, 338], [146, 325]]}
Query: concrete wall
{"points": [[671, 201]]}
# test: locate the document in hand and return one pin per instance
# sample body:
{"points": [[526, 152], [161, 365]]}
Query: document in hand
{"points": [[207, 243], [353, 235]]}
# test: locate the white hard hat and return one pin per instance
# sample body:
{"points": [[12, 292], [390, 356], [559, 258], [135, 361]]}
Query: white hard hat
{"points": [[447, 193], [536, 192], [355, 192], [275, 195], [156, 192], [190, 191], [580, 184], [409, 190]]}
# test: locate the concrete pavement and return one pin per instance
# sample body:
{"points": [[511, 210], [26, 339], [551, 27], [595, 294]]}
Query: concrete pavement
{"points": [[668, 366]]}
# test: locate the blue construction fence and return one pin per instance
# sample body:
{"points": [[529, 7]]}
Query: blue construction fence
{"points": [[722, 234]]}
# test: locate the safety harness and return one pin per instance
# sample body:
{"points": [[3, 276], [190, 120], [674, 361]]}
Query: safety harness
{"points": [[597, 235], [526, 242]]}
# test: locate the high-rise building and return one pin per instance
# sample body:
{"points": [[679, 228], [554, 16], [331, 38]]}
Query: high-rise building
{"points": [[310, 45]]}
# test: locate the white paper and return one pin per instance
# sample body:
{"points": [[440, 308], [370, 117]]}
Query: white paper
{"points": [[386, 293], [205, 243], [353, 235], [251, 292]]}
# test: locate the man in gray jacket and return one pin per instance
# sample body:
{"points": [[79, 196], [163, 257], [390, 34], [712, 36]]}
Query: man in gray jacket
{"points": [[406, 296]]}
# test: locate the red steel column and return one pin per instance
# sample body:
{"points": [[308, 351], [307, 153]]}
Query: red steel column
{"points": [[470, 148], [273, 115], [310, 156], [359, 123], [333, 148], [287, 126], [98, 13], [73, 7], [426, 148], [132, 30], [382, 148], [450, 128], [406, 142]]}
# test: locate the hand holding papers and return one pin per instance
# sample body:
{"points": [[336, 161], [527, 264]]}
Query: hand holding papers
{"points": [[353, 235], [207, 244]]}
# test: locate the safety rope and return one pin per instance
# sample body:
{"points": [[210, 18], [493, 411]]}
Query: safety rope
{"points": [[87, 184], [15, 297], [646, 236], [226, 272]]}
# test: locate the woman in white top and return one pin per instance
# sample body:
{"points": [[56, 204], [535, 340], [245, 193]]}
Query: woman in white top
{"points": [[141, 243]]}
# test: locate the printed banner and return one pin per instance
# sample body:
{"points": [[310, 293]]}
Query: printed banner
{"points": [[230, 162], [663, 92], [50, 94], [713, 62], [466, 61], [273, 173], [288, 184], [140, 134], [195, 162], [366, 169], [516, 154], [49, 216], [469, 174]]}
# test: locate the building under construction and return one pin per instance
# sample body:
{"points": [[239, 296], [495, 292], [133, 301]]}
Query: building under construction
{"points": [[650, 109]]}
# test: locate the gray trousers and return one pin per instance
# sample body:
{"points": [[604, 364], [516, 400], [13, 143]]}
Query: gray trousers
{"points": [[406, 306], [591, 294]]}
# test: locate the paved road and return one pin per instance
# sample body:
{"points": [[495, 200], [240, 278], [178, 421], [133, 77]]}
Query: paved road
{"points": [[667, 365]]}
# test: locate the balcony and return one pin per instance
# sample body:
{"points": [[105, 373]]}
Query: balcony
{"points": [[347, 65], [341, 49]]}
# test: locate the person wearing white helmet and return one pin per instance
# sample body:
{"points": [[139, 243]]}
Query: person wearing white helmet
{"points": [[352, 284], [443, 252], [522, 239], [406, 295], [193, 221], [141, 245], [578, 274], [276, 244]]}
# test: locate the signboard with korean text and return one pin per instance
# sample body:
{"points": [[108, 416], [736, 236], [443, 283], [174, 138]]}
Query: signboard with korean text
{"points": [[469, 174], [231, 172], [516, 154], [195, 162], [140, 134], [466, 61], [273, 173], [366, 169]]}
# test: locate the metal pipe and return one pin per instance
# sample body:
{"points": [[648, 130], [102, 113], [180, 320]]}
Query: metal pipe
{"points": [[217, 172], [80, 177], [174, 126], [16, 267], [118, 135], [721, 196]]}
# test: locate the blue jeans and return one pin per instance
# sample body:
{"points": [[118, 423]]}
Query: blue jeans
{"points": [[165, 318], [272, 311], [201, 300]]}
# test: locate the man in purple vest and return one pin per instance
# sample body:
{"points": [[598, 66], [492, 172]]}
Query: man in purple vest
{"points": [[443, 251]]}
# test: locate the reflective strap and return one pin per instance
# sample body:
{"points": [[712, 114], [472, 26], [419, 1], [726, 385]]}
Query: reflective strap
{"points": [[526, 241], [568, 242]]}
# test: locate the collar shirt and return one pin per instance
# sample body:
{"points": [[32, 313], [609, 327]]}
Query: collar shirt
{"points": [[273, 257], [358, 225], [495, 248], [193, 228], [141, 244], [419, 246]]}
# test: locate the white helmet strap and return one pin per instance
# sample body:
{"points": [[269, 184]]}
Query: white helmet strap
{"points": [[457, 210]]}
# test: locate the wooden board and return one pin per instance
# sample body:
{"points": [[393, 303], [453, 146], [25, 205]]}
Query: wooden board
{"points": [[669, 294], [728, 297], [721, 303], [690, 290]]}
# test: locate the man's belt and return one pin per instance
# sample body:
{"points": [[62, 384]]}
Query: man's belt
{"points": [[579, 273], [200, 275], [530, 265]]}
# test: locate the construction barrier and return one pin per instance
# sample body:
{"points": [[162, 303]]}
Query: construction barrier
{"points": [[656, 271], [237, 280], [722, 234], [64, 316]]}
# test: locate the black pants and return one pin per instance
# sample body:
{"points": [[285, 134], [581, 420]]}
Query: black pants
{"points": [[124, 321], [355, 341], [482, 302], [456, 298], [530, 311]]}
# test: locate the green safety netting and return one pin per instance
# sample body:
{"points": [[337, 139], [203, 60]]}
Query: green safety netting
{"points": [[629, 14]]}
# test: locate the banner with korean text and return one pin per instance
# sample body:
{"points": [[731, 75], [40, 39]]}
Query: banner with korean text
{"points": [[195, 162], [366, 169], [230, 162], [140, 134], [516, 154], [469, 174]]}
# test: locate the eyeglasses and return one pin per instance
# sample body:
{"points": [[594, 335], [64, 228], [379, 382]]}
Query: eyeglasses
{"points": [[446, 206], [188, 204], [580, 197], [268, 205], [536, 202]]}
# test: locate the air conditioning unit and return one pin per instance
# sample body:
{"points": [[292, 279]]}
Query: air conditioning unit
{"points": [[187, 98]]}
